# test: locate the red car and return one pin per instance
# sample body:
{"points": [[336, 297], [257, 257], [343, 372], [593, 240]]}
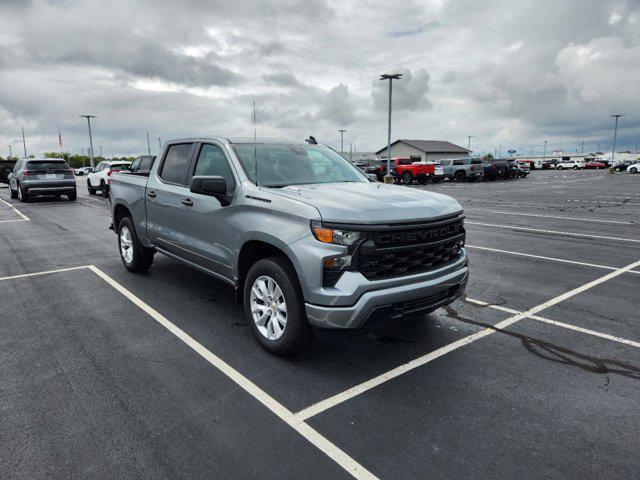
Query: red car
{"points": [[406, 170], [595, 165]]}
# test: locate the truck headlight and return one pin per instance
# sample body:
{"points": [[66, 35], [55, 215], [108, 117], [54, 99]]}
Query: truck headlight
{"points": [[335, 236]]}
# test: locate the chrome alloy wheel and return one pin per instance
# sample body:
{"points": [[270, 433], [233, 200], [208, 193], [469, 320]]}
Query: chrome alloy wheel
{"points": [[126, 245], [268, 307]]}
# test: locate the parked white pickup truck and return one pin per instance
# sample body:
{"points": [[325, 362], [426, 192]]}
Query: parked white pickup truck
{"points": [[101, 177]]}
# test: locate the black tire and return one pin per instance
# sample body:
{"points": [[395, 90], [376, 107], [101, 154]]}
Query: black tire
{"points": [[407, 178], [460, 176], [436, 180], [14, 193], [23, 195], [297, 332], [633, 170], [142, 257], [559, 167], [575, 167], [423, 180], [104, 189], [72, 196], [90, 189]]}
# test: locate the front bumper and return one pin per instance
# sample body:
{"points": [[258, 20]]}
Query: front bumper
{"points": [[378, 307]]}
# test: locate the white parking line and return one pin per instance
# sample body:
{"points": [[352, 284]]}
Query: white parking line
{"points": [[557, 323], [618, 222], [552, 259], [602, 202], [46, 272], [24, 217], [418, 362], [315, 438], [555, 232]]}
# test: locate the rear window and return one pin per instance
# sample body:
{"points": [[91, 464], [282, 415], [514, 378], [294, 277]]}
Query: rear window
{"points": [[404, 161], [175, 168], [119, 167], [47, 165]]}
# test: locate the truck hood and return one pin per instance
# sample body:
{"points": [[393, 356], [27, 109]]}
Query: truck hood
{"points": [[371, 203]]}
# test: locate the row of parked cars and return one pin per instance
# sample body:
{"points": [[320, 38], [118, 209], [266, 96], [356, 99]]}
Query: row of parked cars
{"points": [[31, 177], [576, 164], [407, 170]]}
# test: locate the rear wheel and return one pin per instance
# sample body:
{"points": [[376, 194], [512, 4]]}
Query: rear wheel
{"points": [[407, 178], [575, 167], [134, 256], [104, 189], [633, 170], [90, 189], [460, 176], [274, 306], [72, 195], [23, 196]]}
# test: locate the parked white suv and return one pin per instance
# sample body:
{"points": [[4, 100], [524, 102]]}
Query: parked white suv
{"points": [[101, 177], [575, 164]]}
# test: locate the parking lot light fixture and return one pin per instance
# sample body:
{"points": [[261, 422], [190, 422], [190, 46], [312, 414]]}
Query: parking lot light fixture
{"points": [[89, 117], [544, 153], [615, 135], [342, 141], [391, 77]]}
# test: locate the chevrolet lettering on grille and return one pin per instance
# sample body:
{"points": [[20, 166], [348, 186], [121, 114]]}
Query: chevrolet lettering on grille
{"points": [[417, 236]]}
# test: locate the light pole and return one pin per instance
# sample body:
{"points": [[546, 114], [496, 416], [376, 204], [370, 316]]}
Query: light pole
{"points": [[159, 146], [615, 134], [544, 154], [342, 141], [391, 77], [24, 143], [10, 152], [101, 156], [148, 145], [89, 117], [469, 142]]}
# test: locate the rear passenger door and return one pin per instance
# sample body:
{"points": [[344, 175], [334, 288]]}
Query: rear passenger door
{"points": [[211, 233], [166, 200]]}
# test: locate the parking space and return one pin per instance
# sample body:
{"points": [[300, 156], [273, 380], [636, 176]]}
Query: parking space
{"points": [[535, 374]]}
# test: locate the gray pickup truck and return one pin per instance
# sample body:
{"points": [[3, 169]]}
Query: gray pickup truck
{"points": [[307, 241]]}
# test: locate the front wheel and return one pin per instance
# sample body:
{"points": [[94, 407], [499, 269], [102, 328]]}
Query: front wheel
{"points": [[633, 170], [575, 167], [104, 189], [459, 177], [134, 256], [90, 189], [14, 193], [274, 306], [23, 196], [407, 178]]}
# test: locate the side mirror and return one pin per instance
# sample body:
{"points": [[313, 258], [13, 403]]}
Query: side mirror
{"points": [[212, 185]]}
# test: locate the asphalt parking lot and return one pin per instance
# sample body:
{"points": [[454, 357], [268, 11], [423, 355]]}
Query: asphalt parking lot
{"points": [[536, 374]]}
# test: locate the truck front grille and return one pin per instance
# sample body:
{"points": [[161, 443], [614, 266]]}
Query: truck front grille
{"points": [[398, 253]]}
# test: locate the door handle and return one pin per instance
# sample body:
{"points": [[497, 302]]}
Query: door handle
{"points": [[151, 194], [187, 202]]}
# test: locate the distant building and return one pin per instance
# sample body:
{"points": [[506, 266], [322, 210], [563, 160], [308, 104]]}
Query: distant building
{"points": [[356, 157], [423, 150]]}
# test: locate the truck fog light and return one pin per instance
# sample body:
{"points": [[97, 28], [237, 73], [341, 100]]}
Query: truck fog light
{"points": [[333, 268]]}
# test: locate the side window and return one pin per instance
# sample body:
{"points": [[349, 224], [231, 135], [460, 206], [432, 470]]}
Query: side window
{"points": [[100, 167], [135, 166], [175, 168], [212, 161], [458, 162], [445, 163]]}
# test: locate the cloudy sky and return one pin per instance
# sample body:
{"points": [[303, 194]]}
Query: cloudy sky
{"points": [[505, 72]]}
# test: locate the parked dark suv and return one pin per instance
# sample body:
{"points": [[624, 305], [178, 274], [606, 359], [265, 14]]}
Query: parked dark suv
{"points": [[42, 176]]}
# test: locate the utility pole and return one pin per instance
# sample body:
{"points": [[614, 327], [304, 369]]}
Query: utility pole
{"points": [[615, 134], [159, 145], [24, 143], [101, 156], [350, 151], [89, 117], [582, 150], [391, 77], [500, 151], [544, 154], [469, 142], [148, 145], [11, 153], [342, 141]]}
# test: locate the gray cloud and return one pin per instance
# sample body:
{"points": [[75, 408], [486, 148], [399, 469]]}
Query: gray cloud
{"points": [[507, 73]]}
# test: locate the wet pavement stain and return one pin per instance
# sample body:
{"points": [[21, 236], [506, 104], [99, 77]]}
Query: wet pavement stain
{"points": [[558, 353]]}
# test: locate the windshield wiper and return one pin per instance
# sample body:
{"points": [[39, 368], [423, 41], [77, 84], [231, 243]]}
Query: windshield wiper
{"points": [[276, 186]]}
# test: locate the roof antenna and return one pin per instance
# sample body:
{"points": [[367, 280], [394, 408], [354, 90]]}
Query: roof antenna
{"points": [[311, 140], [255, 144]]}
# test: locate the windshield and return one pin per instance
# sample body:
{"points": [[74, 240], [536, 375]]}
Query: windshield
{"points": [[280, 165]]}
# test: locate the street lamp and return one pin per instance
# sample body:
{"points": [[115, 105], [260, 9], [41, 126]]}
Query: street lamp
{"points": [[159, 146], [342, 142], [10, 152], [89, 117], [148, 145], [391, 77], [469, 142], [615, 134], [544, 154]]}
